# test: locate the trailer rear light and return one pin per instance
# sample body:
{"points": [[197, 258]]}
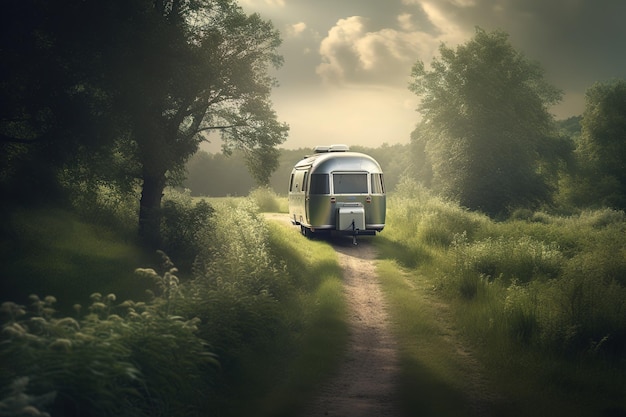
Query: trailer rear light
{"points": [[333, 200], [368, 199]]}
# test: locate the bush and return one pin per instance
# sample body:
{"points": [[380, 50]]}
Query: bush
{"points": [[124, 359], [553, 283], [182, 225], [510, 259], [266, 199], [235, 252], [106, 206]]}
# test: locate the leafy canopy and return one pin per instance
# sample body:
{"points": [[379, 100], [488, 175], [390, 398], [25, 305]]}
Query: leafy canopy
{"points": [[601, 149], [486, 133]]}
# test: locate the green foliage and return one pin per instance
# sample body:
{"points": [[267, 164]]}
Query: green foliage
{"points": [[269, 305], [541, 297], [421, 218], [106, 206], [260, 307], [485, 134], [109, 361], [266, 200], [509, 259], [49, 250], [234, 252], [600, 180], [122, 93], [182, 222]]}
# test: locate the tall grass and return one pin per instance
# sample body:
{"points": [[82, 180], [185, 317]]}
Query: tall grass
{"points": [[257, 324], [268, 201], [530, 292]]}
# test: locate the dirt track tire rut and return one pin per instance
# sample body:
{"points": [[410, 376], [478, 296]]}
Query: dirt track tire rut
{"points": [[365, 384]]}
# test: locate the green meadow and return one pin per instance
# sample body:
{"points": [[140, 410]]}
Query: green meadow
{"points": [[540, 301], [93, 325]]}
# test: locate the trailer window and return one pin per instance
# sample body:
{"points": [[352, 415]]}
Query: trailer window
{"points": [[378, 186], [350, 183], [319, 184], [291, 182], [306, 174]]}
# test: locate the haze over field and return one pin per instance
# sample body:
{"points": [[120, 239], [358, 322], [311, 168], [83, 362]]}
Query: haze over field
{"points": [[347, 62]]}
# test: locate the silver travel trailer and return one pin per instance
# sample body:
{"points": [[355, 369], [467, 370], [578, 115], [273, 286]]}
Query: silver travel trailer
{"points": [[335, 190]]}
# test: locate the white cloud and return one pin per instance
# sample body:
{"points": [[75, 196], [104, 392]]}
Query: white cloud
{"points": [[464, 3], [296, 29], [405, 20], [352, 54], [448, 30]]}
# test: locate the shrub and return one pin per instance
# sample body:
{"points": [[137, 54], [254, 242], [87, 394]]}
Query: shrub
{"points": [[235, 252], [236, 281], [126, 359], [182, 224], [107, 206], [511, 259], [266, 199]]}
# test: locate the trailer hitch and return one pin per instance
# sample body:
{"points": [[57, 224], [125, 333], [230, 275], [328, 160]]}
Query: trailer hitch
{"points": [[355, 232]]}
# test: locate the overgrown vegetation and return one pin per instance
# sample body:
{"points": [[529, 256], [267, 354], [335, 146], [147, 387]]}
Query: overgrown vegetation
{"points": [[241, 332], [541, 297]]}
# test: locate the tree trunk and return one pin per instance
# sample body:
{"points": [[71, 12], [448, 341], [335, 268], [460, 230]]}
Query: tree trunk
{"points": [[150, 209]]}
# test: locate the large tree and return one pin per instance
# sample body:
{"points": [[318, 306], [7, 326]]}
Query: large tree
{"points": [[137, 84], [601, 149], [486, 132], [55, 109], [193, 67]]}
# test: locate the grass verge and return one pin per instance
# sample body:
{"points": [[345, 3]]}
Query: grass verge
{"points": [[538, 302], [51, 252], [435, 380], [318, 336]]}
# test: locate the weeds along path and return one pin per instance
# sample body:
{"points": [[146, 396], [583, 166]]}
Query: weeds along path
{"points": [[365, 383]]}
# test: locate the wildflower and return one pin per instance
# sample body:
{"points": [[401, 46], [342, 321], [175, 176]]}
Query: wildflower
{"points": [[147, 272], [14, 310], [98, 306], [14, 330], [61, 345], [68, 322]]}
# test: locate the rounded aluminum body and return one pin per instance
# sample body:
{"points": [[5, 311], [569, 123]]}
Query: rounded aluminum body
{"points": [[325, 185]]}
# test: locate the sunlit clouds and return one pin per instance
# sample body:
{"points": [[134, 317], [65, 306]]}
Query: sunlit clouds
{"points": [[353, 54], [295, 30], [347, 63]]}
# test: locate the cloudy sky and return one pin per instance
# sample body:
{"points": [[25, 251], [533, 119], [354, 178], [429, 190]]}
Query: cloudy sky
{"points": [[347, 62]]}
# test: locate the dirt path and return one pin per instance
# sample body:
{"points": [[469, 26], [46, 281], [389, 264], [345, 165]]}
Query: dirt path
{"points": [[365, 385], [366, 382]]}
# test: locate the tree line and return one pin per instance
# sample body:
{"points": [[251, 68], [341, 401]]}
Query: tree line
{"points": [[486, 140], [204, 168]]}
